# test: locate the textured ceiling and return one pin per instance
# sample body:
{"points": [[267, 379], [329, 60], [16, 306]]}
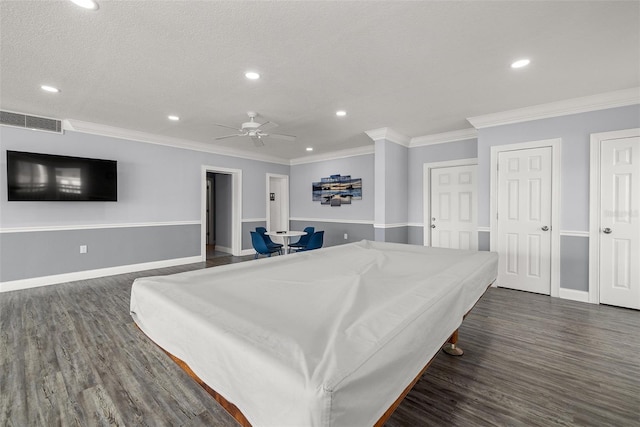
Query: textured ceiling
{"points": [[419, 68]]}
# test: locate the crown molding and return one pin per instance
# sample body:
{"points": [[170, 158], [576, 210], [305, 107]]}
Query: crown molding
{"points": [[441, 138], [115, 132], [377, 134], [389, 135], [584, 104], [334, 155]]}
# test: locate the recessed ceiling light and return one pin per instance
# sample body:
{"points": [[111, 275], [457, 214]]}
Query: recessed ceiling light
{"points": [[341, 113], [309, 148], [50, 88], [520, 63], [252, 75], [174, 118], [87, 4]]}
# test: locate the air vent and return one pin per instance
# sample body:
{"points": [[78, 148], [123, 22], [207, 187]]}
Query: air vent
{"points": [[30, 122]]}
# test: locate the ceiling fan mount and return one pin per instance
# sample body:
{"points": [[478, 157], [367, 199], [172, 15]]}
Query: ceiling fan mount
{"points": [[254, 130], [251, 124]]}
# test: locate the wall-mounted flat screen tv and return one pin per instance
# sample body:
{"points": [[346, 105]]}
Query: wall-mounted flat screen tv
{"points": [[52, 178]]}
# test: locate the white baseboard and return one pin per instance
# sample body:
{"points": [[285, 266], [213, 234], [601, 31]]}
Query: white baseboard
{"points": [[223, 249], [574, 295], [247, 252], [34, 282]]}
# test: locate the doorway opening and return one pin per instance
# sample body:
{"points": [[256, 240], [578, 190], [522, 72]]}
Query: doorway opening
{"points": [[218, 219], [221, 212], [277, 199]]}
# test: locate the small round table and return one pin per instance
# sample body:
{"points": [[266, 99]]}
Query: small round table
{"points": [[286, 235]]}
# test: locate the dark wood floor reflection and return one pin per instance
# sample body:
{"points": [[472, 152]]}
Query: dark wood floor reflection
{"points": [[71, 355]]}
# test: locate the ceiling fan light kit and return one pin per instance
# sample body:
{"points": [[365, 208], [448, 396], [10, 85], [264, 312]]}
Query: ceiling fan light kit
{"points": [[253, 130]]}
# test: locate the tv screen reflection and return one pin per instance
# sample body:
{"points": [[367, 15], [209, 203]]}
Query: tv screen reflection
{"points": [[42, 177]]}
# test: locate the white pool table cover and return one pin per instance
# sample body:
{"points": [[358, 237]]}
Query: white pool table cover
{"points": [[321, 338]]}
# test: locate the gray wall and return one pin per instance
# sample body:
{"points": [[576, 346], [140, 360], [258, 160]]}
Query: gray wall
{"points": [[305, 212], [391, 165], [574, 256], [575, 132], [484, 240], [393, 234], [334, 231], [156, 184], [393, 200], [301, 205], [415, 235], [162, 184], [45, 253]]}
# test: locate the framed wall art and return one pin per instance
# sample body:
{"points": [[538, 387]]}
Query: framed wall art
{"points": [[337, 190]]}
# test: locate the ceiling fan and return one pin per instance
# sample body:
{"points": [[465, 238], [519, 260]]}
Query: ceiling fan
{"points": [[254, 130]]}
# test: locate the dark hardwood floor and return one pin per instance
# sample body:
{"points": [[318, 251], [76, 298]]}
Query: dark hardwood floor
{"points": [[71, 355]]}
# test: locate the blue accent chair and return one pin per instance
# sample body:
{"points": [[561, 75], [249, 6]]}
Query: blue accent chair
{"points": [[270, 244], [260, 245], [304, 239], [315, 242]]}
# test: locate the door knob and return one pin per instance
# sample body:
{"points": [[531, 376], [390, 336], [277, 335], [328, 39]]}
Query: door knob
{"points": [[433, 226], [607, 230], [545, 228]]}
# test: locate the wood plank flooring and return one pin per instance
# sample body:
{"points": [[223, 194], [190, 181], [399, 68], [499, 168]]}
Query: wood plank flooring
{"points": [[71, 355]]}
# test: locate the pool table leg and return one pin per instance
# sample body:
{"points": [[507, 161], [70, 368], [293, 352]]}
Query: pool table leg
{"points": [[450, 346]]}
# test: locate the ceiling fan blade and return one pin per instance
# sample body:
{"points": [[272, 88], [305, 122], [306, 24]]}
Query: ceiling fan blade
{"points": [[225, 126], [265, 123], [229, 136], [282, 136], [257, 141]]}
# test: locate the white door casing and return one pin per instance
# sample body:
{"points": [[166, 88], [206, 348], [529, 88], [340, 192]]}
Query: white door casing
{"points": [[454, 219], [524, 216], [236, 208], [427, 195], [615, 226]]}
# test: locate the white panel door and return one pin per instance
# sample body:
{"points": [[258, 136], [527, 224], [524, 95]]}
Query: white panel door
{"points": [[524, 220], [454, 222], [620, 222]]}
